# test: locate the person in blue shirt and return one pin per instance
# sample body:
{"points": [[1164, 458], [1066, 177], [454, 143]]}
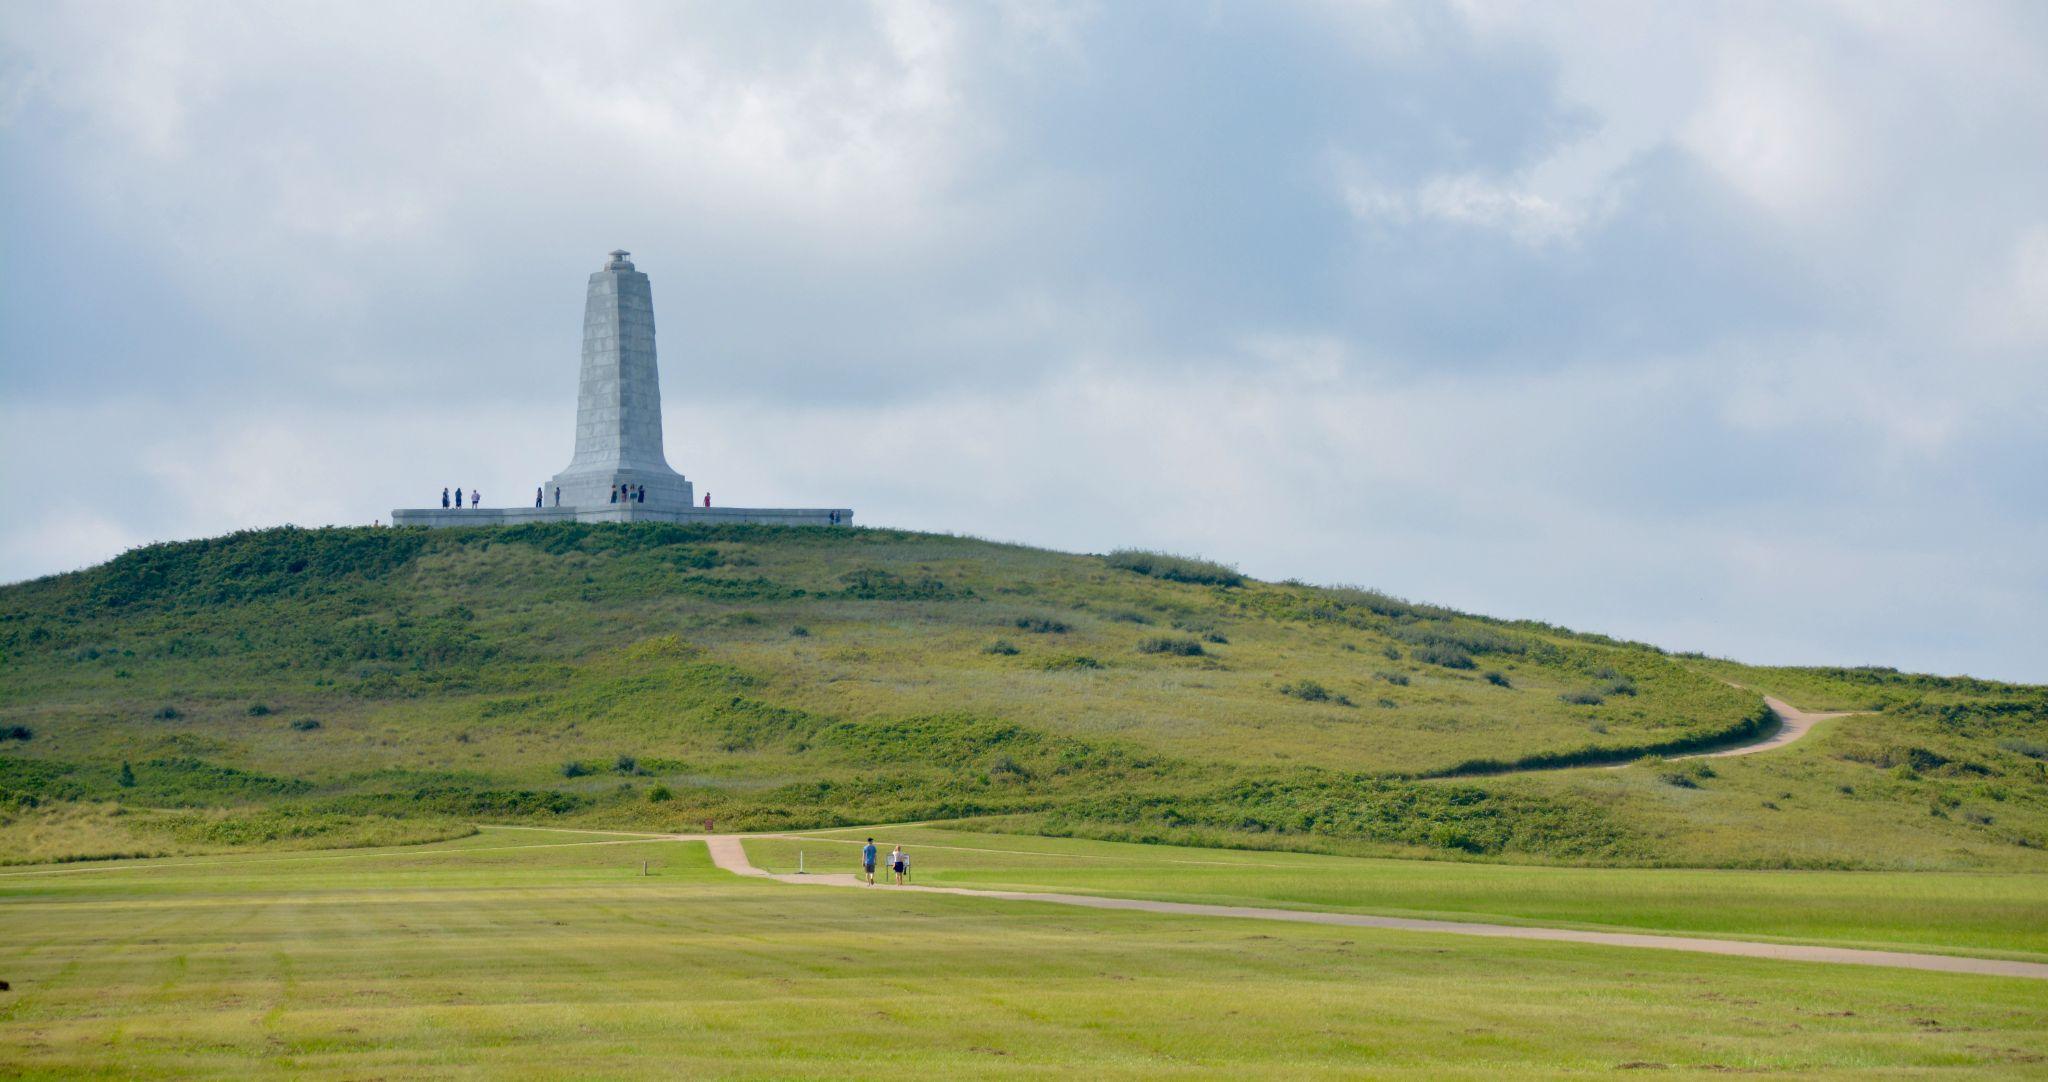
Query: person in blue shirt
{"points": [[867, 860]]}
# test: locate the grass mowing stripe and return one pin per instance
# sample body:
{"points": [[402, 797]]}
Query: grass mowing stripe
{"points": [[559, 961], [1995, 915]]}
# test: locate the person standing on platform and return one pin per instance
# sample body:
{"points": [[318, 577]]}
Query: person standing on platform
{"points": [[475, 501], [458, 497], [558, 495], [707, 499], [444, 497], [537, 501]]}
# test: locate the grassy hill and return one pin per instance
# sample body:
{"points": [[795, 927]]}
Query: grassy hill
{"points": [[358, 686]]}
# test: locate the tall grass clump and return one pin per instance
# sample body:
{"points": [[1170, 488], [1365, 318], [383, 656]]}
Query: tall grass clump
{"points": [[1168, 644], [1164, 565]]}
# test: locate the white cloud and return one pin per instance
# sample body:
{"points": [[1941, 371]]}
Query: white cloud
{"points": [[1774, 128], [1468, 200], [1331, 292]]}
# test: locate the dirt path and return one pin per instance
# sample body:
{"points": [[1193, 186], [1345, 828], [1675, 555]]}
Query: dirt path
{"points": [[728, 852], [1793, 723]]}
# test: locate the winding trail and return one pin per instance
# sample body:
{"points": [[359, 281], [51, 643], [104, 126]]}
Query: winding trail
{"points": [[1793, 723], [728, 851]]}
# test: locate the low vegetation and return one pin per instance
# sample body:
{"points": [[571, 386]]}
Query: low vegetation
{"points": [[1161, 565], [499, 675]]}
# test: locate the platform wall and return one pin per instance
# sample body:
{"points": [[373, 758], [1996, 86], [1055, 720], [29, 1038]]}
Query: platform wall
{"points": [[516, 516]]}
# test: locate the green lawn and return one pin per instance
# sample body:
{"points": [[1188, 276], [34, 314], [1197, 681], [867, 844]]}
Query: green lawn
{"points": [[2002, 914], [542, 955]]}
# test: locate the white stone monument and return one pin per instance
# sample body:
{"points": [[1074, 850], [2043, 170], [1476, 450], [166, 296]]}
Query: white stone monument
{"points": [[618, 400], [618, 432]]}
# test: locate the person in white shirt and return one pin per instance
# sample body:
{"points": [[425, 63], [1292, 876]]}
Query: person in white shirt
{"points": [[897, 865]]}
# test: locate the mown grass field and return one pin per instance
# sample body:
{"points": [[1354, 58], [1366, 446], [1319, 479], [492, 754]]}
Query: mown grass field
{"points": [[1995, 914], [350, 686], [550, 955]]}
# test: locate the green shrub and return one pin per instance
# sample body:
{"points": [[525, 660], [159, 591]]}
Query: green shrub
{"points": [[1894, 755], [257, 710], [1462, 636], [1450, 657], [306, 725], [574, 769], [126, 779], [626, 764], [1687, 774], [871, 584], [1583, 698], [1008, 768], [1041, 625], [1167, 644], [1069, 661], [2020, 745], [1381, 603], [659, 794], [16, 732], [1498, 679], [799, 631], [1620, 686], [167, 713], [1162, 565], [1398, 679], [1216, 637], [1001, 649], [190, 782], [1310, 691], [1307, 691]]}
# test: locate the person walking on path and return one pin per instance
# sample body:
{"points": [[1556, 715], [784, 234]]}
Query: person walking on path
{"points": [[898, 864], [867, 860], [444, 497]]}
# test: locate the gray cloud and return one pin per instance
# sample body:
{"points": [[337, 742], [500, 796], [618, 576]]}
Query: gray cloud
{"points": [[1723, 327]]}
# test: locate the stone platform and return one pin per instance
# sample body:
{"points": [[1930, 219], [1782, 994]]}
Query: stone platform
{"points": [[440, 517]]}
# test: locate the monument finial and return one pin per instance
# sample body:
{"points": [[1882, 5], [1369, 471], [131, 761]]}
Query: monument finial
{"points": [[619, 260]]}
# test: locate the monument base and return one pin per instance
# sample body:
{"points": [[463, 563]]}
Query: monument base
{"points": [[442, 517]]}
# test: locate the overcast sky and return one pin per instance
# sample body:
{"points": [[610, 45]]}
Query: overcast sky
{"points": [[1723, 326]]}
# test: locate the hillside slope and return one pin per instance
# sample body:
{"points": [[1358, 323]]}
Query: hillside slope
{"points": [[357, 684]]}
